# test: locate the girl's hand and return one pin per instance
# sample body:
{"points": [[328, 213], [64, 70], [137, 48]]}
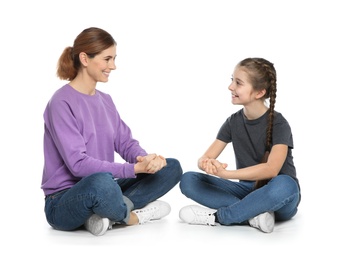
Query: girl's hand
{"points": [[209, 167], [214, 167], [203, 163]]}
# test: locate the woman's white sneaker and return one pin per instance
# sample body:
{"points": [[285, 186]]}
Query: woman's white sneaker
{"points": [[97, 225]]}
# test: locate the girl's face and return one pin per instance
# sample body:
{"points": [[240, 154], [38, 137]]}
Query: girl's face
{"points": [[241, 88], [100, 66]]}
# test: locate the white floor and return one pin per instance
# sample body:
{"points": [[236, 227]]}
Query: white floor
{"points": [[306, 235], [183, 70]]}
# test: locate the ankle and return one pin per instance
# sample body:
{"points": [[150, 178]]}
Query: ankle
{"points": [[133, 219]]}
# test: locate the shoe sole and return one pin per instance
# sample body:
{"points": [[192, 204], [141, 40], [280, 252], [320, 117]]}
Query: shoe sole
{"points": [[92, 225]]}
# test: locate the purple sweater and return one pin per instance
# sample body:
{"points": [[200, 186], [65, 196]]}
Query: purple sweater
{"points": [[81, 135]]}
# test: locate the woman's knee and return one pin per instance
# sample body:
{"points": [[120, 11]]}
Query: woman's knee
{"points": [[175, 170], [175, 165], [100, 184]]}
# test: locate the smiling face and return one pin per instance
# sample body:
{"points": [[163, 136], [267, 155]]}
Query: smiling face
{"points": [[99, 67], [241, 88]]}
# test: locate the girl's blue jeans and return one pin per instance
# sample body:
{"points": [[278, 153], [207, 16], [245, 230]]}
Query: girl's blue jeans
{"points": [[237, 201], [107, 197]]}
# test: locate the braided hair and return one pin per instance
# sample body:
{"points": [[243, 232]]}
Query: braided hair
{"points": [[262, 75]]}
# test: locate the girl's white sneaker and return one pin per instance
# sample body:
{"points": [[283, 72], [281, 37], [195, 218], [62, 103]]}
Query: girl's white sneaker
{"points": [[264, 222]]}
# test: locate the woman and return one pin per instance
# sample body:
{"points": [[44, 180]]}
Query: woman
{"points": [[264, 187], [82, 183]]}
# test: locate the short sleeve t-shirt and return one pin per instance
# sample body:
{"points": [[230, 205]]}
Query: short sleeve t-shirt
{"points": [[248, 138]]}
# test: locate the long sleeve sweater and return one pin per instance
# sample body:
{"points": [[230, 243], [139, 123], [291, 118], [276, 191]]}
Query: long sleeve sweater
{"points": [[81, 135]]}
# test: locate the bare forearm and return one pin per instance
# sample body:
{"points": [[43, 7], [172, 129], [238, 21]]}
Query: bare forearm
{"points": [[257, 172]]}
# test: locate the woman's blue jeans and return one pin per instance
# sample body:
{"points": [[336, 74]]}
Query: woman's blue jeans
{"points": [[238, 201], [110, 198]]}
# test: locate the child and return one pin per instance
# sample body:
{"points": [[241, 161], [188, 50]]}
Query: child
{"points": [[264, 187]]}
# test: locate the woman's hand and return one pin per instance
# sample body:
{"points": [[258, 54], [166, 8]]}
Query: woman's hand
{"points": [[150, 163]]}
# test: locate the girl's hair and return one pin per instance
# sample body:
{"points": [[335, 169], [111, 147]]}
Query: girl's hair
{"points": [[262, 75], [92, 41]]}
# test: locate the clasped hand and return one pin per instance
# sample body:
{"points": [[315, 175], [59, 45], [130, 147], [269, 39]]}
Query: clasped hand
{"points": [[150, 163], [213, 167]]}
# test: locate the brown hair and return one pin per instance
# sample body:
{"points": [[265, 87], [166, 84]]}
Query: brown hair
{"points": [[262, 75], [92, 41]]}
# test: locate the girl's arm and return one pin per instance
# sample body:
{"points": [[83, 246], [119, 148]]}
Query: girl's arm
{"points": [[260, 171], [214, 150]]}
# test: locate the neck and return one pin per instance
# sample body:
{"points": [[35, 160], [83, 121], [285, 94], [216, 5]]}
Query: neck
{"points": [[255, 112], [83, 86]]}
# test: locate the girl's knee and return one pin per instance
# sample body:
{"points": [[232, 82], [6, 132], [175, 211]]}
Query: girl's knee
{"points": [[186, 181]]}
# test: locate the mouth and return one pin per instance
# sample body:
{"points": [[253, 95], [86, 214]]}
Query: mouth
{"points": [[107, 74], [234, 96]]}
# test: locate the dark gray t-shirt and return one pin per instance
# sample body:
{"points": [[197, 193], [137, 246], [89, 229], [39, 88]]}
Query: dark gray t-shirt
{"points": [[248, 138]]}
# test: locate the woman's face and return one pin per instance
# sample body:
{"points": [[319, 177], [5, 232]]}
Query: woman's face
{"points": [[100, 66]]}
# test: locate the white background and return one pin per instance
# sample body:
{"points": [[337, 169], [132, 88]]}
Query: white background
{"points": [[175, 60]]}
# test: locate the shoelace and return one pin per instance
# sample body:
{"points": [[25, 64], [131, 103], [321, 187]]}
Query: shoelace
{"points": [[204, 218], [147, 214]]}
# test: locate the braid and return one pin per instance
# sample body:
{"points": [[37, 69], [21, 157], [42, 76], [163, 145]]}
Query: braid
{"points": [[272, 97], [263, 76]]}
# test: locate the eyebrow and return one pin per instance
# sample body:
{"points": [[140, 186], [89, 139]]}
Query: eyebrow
{"points": [[110, 56], [240, 80], [237, 79]]}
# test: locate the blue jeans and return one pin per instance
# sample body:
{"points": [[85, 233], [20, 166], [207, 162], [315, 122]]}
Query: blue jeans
{"points": [[237, 202], [110, 198]]}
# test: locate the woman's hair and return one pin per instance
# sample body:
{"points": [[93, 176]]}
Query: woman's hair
{"points": [[262, 75], [92, 41]]}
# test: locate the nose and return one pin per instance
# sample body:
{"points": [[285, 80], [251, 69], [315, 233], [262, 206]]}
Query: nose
{"points": [[112, 65], [230, 87]]}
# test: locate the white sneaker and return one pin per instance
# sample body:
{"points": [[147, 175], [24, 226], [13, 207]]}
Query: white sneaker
{"points": [[265, 222], [197, 215], [97, 225], [153, 211]]}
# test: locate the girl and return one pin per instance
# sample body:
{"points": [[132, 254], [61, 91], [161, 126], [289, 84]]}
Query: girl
{"points": [[264, 187], [81, 181]]}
